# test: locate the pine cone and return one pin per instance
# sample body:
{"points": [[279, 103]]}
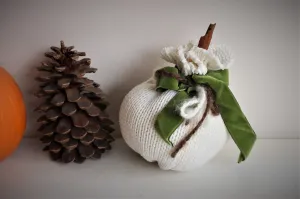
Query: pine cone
{"points": [[74, 123]]}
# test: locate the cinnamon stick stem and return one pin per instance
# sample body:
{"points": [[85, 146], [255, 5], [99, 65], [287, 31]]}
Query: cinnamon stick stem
{"points": [[205, 40]]}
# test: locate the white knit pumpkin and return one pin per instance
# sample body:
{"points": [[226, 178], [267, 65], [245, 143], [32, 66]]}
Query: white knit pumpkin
{"points": [[138, 113]]}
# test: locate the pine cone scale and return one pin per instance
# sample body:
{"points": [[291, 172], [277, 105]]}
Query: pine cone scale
{"points": [[73, 94], [69, 109], [64, 126], [58, 99]]}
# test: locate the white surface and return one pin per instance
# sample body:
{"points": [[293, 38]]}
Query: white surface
{"points": [[271, 172], [138, 113], [124, 39]]}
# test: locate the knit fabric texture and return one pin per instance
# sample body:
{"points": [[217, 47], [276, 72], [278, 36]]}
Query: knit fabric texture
{"points": [[137, 117]]}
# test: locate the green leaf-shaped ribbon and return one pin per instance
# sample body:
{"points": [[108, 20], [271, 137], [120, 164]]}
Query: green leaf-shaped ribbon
{"points": [[168, 120]]}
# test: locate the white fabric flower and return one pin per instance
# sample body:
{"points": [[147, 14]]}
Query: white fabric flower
{"points": [[194, 60]]}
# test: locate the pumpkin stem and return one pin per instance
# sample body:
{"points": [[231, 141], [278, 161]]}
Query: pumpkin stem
{"points": [[205, 40]]}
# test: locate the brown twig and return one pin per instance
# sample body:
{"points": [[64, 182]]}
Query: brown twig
{"points": [[212, 101], [186, 138], [204, 43], [210, 106]]}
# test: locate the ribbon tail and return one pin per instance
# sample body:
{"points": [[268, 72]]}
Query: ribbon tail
{"points": [[236, 123], [232, 115], [168, 120]]}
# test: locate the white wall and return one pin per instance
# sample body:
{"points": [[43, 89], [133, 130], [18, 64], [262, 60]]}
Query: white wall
{"points": [[124, 39]]}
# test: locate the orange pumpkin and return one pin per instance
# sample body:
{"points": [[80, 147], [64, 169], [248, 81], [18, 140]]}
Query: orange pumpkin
{"points": [[12, 114]]}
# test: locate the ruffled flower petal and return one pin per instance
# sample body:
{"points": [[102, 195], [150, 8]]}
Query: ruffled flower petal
{"points": [[194, 60]]}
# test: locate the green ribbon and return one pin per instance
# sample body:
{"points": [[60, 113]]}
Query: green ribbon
{"points": [[168, 120]]}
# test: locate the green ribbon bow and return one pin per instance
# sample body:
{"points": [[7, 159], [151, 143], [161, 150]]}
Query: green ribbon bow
{"points": [[168, 120]]}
